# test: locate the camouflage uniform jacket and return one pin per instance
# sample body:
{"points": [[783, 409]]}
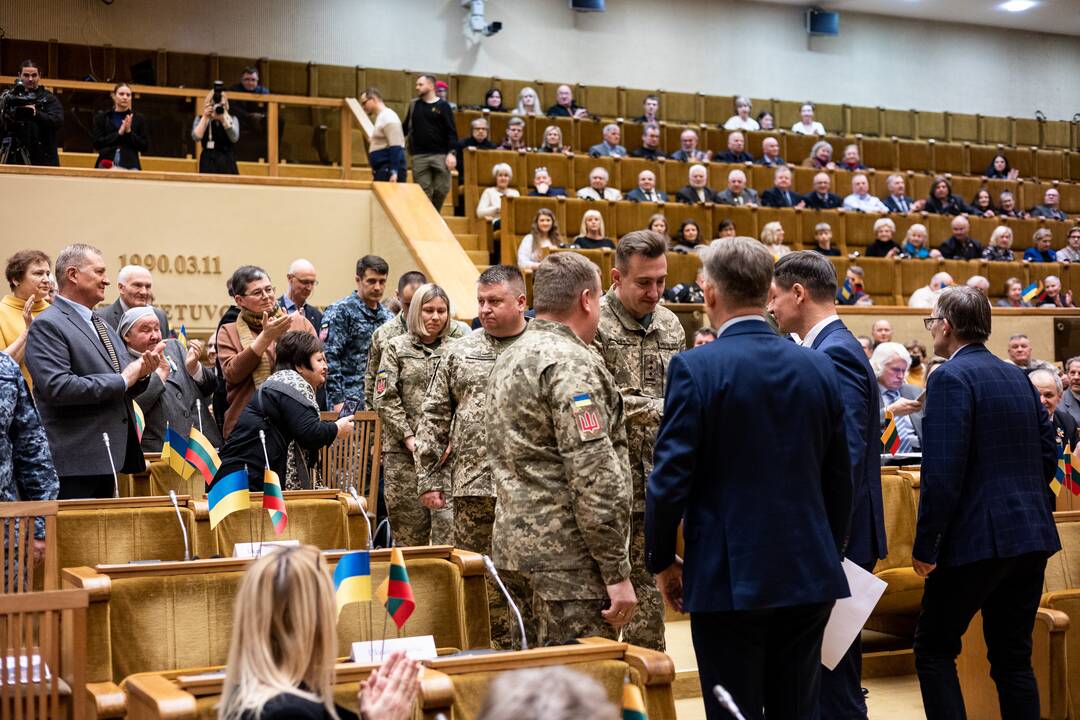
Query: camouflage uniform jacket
{"points": [[349, 325], [383, 334], [401, 383], [26, 466], [557, 454], [638, 360], [453, 414]]}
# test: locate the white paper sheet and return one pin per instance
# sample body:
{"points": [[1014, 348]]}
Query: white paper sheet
{"points": [[255, 549], [416, 648], [850, 614]]}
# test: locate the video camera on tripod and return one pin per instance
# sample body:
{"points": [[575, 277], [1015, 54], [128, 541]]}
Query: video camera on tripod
{"points": [[18, 105]]}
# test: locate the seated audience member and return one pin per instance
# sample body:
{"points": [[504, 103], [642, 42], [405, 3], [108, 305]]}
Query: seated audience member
{"points": [[807, 125], [999, 249], [548, 693], [27, 273], [688, 238], [823, 240], [1041, 251], [515, 135], [867, 345], [282, 653], [897, 201], [1007, 206], [218, 132], [1051, 389], [851, 290], [598, 187], [999, 169], [650, 143], [646, 189], [610, 146], [726, 228], [175, 385], [860, 198], [915, 243], [591, 234], [650, 110], [135, 286], [780, 195], [565, 106], [697, 190], [772, 237], [961, 246], [927, 296], [981, 203], [851, 160], [737, 193], [284, 406], [490, 205], [942, 201], [770, 153], [1020, 355], [736, 150], [542, 186], [980, 283], [553, 141], [741, 120], [820, 157], [493, 101], [1051, 295], [1049, 208], [1070, 398], [704, 336], [881, 331], [766, 120], [891, 362], [1071, 252], [442, 91], [387, 149], [916, 374], [1014, 294], [683, 293], [822, 198], [543, 236], [884, 245], [528, 103], [247, 346], [120, 134], [478, 138], [658, 224], [688, 149]]}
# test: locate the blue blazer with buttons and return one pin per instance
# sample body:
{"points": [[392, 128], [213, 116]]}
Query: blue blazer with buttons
{"points": [[752, 457], [989, 452], [859, 390]]}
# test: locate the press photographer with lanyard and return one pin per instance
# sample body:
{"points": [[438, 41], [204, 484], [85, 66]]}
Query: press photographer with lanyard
{"points": [[218, 131], [32, 115]]}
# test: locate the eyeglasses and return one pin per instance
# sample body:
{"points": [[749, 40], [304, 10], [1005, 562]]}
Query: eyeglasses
{"points": [[267, 291], [306, 283], [928, 323]]}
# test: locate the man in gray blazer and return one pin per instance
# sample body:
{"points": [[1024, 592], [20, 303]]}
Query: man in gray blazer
{"points": [[1070, 398], [737, 193], [136, 287], [84, 381], [890, 362]]}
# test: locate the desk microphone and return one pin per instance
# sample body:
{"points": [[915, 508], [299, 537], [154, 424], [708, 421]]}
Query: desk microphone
{"points": [[509, 600], [180, 519], [389, 531], [363, 514], [727, 702], [108, 451]]}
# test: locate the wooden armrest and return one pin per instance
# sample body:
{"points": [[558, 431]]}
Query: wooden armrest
{"points": [[656, 668], [158, 697], [1049, 641], [436, 691], [87, 578], [106, 700], [471, 563]]}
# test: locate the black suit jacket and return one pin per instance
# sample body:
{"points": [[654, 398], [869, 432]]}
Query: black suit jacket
{"points": [[729, 157], [890, 202], [769, 162], [112, 314], [636, 195], [689, 195], [644, 152], [107, 140], [552, 192], [774, 197], [830, 202]]}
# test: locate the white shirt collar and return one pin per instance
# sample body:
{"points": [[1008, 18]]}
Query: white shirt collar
{"points": [[735, 320], [958, 350], [811, 336]]}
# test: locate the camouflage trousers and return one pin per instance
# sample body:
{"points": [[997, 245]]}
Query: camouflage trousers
{"points": [[647, 628], [411, 522], [554, 622], [473, 521]]}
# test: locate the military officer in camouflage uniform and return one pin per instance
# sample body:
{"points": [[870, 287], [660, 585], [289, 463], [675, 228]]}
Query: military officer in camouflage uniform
{"points": [[453, 417], [348, 326], [557, 454], [401, 382], [406, 286], [637, 337]]}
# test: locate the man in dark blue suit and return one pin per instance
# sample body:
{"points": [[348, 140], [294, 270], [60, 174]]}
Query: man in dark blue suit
{"points": [[985, 529], [781, 195], [804, 285], [752, 458]]}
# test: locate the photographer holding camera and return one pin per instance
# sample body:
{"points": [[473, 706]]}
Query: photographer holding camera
{"points": [[120, 134], [218, 131], [31, 115]]}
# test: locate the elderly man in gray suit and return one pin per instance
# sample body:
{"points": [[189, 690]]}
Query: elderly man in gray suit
{"points": [[1070, 398], [136, 287], [84, 380], [890, 362]]}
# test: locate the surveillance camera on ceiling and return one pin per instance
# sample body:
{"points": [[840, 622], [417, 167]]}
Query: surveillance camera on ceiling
{"points": [[478, 24]]}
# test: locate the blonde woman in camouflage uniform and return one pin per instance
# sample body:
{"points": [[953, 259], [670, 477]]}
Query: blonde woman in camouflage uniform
{"points": [[405, 370]]}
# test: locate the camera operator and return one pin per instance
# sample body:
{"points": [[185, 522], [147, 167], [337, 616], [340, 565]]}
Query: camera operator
{"points": [[218, 131], [251, 115], [34, 116], [120, 134]]}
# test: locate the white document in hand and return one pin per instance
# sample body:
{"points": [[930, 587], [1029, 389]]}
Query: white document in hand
{"points": [[850, 614]]}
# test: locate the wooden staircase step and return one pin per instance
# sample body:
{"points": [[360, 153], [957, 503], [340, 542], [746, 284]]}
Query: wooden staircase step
{"points": [[469, 241], [479, 257], [457, 225]]}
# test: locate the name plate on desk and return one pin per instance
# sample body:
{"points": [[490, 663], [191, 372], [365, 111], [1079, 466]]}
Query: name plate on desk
{"points": [[416, 648], [255, 549]]}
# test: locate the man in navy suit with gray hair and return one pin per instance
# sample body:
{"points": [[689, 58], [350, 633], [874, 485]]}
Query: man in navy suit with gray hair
{"points": [[753, 459], [985, 529]]}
